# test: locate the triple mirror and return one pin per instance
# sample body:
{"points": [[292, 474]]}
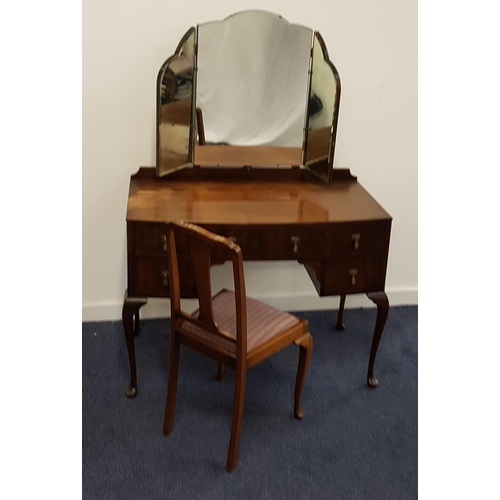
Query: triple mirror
{"points": [[251, 90]]}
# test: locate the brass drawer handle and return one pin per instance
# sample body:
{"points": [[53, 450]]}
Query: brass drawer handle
{"points": [[355, 240], [295, 242], [164, 241], [352, 273], [164, 275]]}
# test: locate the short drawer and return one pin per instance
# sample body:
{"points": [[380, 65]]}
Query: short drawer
{"points": [[249, 239], [151, 278], [149, 239], [361, 274], [356, 238], [296, 242]]}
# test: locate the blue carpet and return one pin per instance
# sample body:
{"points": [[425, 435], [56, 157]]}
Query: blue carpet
{"points": [[353, 443]]}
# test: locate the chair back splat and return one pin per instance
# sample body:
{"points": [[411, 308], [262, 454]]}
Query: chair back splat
{"points": [[200, 254], [231, 328]]}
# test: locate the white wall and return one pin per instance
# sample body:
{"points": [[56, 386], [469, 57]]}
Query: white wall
{"points": [[374, 47]]}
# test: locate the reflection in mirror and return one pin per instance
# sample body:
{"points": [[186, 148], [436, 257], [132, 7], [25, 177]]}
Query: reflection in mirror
{"points": [[324, 100], [251, 90], [174, 100]]}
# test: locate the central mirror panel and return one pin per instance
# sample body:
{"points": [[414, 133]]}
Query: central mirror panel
{"points": [[252, 84]]}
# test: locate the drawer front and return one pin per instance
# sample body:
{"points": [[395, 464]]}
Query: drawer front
{"points": [[250, 239], [360, 274], [151, 278], [150, 239], [296, 242], [356, 238]]}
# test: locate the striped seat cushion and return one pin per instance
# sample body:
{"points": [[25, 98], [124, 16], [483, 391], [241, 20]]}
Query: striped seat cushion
{"points": [[263, 321]]}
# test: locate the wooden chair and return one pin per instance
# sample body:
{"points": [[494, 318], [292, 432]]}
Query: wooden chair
{"points": [[231, 328]]}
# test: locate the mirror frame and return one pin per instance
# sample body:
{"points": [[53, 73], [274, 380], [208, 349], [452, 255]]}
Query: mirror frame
{"points": [[321, 168], [159, 81]]}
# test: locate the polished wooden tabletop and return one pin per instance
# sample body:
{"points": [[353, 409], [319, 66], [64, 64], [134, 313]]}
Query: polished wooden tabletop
{"points": [[256, 198]]}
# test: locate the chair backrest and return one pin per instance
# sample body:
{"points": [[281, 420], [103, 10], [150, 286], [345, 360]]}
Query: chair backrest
{"points": [[201, 244]]}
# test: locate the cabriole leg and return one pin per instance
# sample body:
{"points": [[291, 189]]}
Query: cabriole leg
{"points": [[220, 372], [130, 322], [340, 315], [382, 302]]}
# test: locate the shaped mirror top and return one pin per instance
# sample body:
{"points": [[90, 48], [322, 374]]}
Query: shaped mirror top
{"points": [[241, 94]]}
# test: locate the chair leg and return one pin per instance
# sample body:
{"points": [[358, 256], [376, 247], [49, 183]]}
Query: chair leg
{"points": [[239, 399], [305, 344], [173, 375], [220, 372]]}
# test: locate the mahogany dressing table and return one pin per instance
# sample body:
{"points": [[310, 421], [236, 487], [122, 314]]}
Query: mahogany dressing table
{"points": [[280, 198]]}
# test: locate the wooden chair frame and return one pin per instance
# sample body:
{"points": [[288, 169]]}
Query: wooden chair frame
{"points": [[201, 333]]}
